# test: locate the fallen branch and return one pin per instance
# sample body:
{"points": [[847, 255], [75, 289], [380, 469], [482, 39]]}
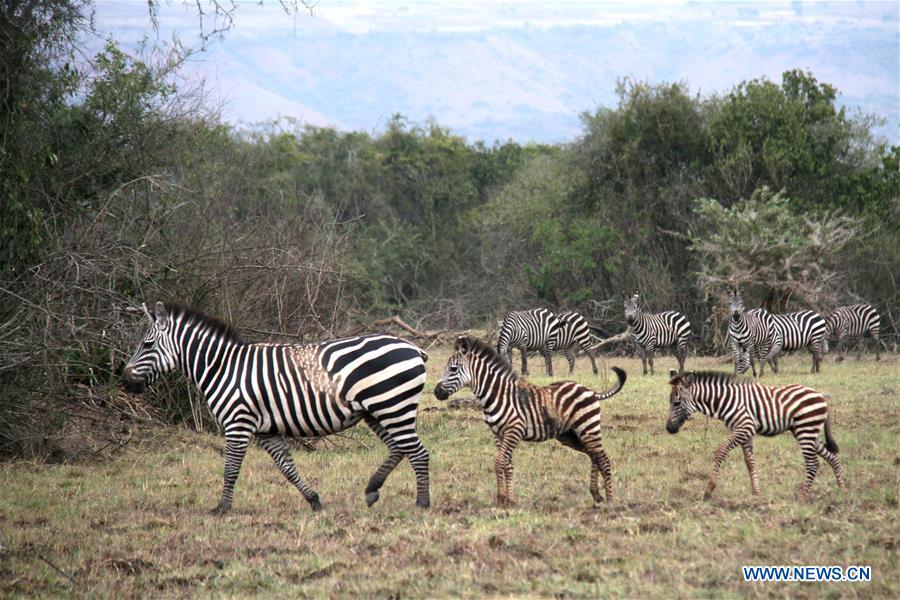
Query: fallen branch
{"points": [[622, 337]]}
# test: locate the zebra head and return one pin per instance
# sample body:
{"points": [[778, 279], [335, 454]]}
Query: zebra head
{"points": [[737, 307], [155, 356], [681, 405], [457, 373], [632, 309]]}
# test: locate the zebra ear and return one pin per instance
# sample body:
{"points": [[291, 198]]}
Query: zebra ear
{"points": [[162, 315], [147, 312], [689, 379], [462, 344]]}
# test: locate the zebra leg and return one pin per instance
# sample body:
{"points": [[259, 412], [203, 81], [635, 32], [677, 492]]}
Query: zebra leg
{"points": [[278, 449], [503, 468], [838, 344], [737, 438], [235, 449], [811, 458], [650, 359], [507, 475], [570, 357], [600, 462], [834, 461], [548, 361], [643, 352], [682, 354], [390, 463], [524, 362], [590, 354], [750, 461]]}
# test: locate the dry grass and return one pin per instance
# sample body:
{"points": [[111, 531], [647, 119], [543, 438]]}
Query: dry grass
{"points": [[138, 526]]}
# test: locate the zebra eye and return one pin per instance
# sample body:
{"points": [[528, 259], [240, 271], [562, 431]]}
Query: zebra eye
{"points": [[148, 344]]}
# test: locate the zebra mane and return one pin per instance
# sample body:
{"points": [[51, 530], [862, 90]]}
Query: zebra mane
{"points": [[719, 377], [194, 315], [488, 353]]}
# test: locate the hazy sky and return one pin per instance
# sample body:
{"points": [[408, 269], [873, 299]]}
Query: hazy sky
{"points": [[524, 69]]}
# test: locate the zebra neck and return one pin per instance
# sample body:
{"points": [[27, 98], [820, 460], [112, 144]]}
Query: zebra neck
{"points": [[707, 402], [202, 355], [491, 389]]}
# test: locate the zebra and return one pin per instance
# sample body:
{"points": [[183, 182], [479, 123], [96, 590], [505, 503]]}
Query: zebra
{"points": [[651, 331], [575, 329], [753, 336], [515, 410], [529, 331], [275, 390], [749, 408], [856, 320], [797, 330]]}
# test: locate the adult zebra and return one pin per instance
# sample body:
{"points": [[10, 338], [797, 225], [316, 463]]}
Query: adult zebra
{"points": [[753, 336], [796, 330], [856, 320], [273, 390], [515, 411], [661, 330], [530, 331], [749, 408], [574, 330]]}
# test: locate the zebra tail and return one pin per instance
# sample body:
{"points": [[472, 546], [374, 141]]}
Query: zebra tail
{"points": [[622, 377], [830, 444]]}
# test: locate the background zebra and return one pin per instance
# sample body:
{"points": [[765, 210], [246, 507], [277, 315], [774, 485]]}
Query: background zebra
{"points": [[748, 408], [856, 320], [661, 330], [530, 331], [516, 410], [573, 330], [753, 336], [273, 390], [797, 330]]}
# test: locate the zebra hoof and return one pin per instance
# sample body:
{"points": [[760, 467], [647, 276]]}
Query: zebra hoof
{"points": [[220, 510], [315, 505], [426, 503], [371, 498]]}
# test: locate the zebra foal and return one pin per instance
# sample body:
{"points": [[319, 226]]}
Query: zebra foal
{"points": [[515, 410], [748, 409], [274, 390], [661, 330], [857, 320]]}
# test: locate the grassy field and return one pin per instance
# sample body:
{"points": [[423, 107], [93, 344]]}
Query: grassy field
{"points": [[139, 525]]}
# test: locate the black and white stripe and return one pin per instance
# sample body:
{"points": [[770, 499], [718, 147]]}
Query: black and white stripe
{"points": [[797, 330], [515, 411], [275, 390], [748, 408], [661, 330], [752, 334], [854, 321], [574, 330], [530, 331]]}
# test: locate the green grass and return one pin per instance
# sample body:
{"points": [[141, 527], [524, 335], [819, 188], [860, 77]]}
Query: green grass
{"points": [[138, 526]]}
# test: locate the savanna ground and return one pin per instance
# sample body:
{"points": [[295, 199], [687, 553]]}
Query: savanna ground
{"points": [[139, 524]]}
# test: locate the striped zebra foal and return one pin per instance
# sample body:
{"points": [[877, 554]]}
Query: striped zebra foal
{"points": [[749, 408], [661, 330], [856, 320], [275, 390], [753, 336], [515, 410], [797, 330], [530, 331], [574, 330]]}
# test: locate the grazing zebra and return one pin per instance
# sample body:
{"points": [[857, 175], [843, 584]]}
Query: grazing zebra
{"points": [[856, 320], [797, 330], [575, 329], [529, 331], [753, 336], [274, 390], [749, 408], [515, 410], [661, 330]]}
